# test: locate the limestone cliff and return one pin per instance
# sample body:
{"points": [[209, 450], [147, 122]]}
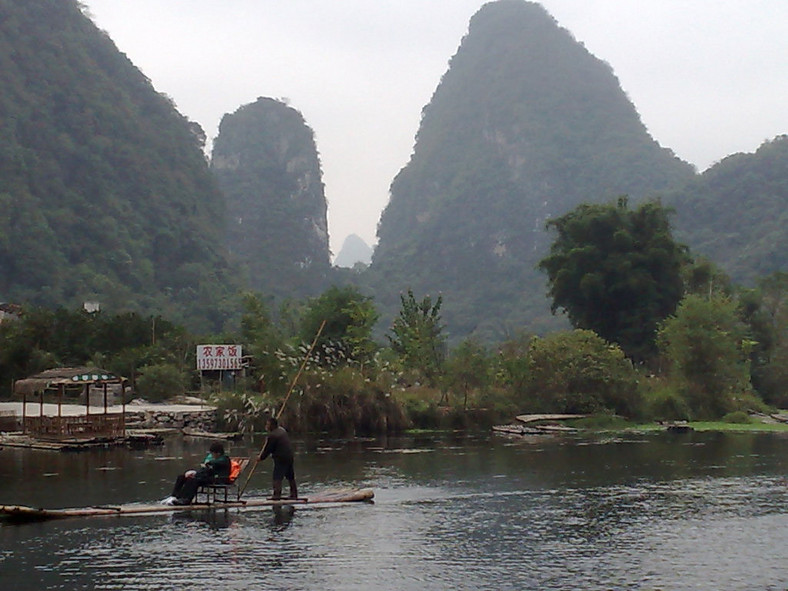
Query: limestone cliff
{"points": [[266, 163], [524, 125]]}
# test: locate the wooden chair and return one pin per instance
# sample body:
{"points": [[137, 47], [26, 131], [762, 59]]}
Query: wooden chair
{"points": [[215, 493]]}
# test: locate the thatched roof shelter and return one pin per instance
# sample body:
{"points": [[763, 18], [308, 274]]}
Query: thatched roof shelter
{"points": [[61, 379], [53, 379]]}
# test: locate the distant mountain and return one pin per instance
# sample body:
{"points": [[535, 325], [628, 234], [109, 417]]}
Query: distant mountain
{"points": [[736, 213], [266, 163], [354, 250], [105, 194], [525, 125]]}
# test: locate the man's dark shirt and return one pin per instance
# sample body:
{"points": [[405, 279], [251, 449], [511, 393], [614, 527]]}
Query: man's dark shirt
{"points": [[278, 446]]}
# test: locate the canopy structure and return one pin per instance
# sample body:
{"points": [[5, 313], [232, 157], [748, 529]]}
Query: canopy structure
{"points": [[59, 427]]}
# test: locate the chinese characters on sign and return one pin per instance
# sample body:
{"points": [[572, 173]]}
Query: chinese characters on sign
{"points": [[218, 357]]}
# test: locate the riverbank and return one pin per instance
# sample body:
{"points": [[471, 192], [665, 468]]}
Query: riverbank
{"points": [[758, 427]]}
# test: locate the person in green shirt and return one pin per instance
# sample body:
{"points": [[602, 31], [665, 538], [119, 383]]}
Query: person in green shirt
{"points": [[214, 470]]}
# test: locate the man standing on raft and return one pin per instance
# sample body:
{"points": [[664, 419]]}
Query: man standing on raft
{"points": [[278, 447]]}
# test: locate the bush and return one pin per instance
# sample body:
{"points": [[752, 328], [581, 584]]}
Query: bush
{"points": [[738, 416], [343, 401], [159, 382], [661, 403], [578, 372], [420, 406], [705, 347], [242, 412], [498, 404]]}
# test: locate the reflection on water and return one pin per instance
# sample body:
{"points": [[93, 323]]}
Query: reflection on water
{"points": [[659, 512]]}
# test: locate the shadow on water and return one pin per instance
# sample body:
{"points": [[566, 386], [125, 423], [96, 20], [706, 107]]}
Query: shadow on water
{"points": [[281, 517], [214, 519]]}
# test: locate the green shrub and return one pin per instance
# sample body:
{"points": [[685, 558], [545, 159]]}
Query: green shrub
{"points": [[421, 413], [578, 372], [159, 382], [343, 401], [242, 412], [662, 403], [706, 350], [738, 416], [498, 404]]}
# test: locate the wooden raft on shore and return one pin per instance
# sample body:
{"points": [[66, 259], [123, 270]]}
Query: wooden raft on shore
{"points": [[527, 424], [21, 513]]}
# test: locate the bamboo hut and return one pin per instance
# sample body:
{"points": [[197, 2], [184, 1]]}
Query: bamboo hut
{"points": [[63, 381]]}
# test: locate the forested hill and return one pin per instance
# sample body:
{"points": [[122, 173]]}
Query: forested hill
{"points": [[736, 213], [267, 166], [105, 193], [524, 125]]}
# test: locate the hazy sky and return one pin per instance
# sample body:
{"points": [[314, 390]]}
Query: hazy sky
{"points": [[708, 77]]}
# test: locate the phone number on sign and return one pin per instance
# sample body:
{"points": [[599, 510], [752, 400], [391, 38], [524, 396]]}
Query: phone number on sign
{"points": [[214, 363]]}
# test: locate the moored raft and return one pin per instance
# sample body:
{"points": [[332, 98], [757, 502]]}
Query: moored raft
{"points": [[22, 513]]}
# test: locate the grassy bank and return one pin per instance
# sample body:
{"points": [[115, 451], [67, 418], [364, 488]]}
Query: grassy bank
{"points": [[754, 426]]}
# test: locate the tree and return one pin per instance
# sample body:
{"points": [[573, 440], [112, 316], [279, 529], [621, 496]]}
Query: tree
{"points": [[765, 311], [417, 336], [468, 369], [350, 317], [160, 382], [704, 278], [707, 351], [616, 271], [261, 340]]}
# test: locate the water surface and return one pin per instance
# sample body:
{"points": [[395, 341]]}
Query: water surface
{"points": [[697, 511]]}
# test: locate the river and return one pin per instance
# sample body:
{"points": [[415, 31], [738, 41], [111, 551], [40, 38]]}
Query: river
{"points": [[648, 512]]}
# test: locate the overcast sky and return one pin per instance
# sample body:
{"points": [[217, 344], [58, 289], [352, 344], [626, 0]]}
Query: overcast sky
{"points": [[708, 77]]}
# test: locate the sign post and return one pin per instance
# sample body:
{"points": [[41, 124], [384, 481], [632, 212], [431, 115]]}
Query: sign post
{"points": [[218, 358]]}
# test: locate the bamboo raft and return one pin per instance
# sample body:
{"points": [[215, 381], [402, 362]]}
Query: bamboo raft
{"points": [[21, 513]]}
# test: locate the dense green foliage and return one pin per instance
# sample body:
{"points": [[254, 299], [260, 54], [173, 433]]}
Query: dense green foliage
{"points": [[525, 125], [736, 213], [765, 311], [160, 382], [349, 318], [575, 372], [468, 369], [616, 271], [104, 191], [707, 352], [124, 344], [266, 163], [349, 384]]}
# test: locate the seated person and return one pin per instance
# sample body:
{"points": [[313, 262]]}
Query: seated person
{"points": [[214, 470]]}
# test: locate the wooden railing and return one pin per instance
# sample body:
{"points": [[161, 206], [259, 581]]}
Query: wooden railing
{"points": [[110, 425], [9, 421]]}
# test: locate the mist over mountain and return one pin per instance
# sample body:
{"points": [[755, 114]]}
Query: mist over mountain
{"points": [[354, 250], [525, 125], [105, 194], [266, 163]]}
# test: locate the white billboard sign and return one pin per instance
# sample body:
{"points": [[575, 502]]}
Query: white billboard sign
{"points": [[212, 357]]}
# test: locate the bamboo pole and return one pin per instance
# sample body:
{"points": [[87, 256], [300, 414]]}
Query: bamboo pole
{"points": [[284, 404]]}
